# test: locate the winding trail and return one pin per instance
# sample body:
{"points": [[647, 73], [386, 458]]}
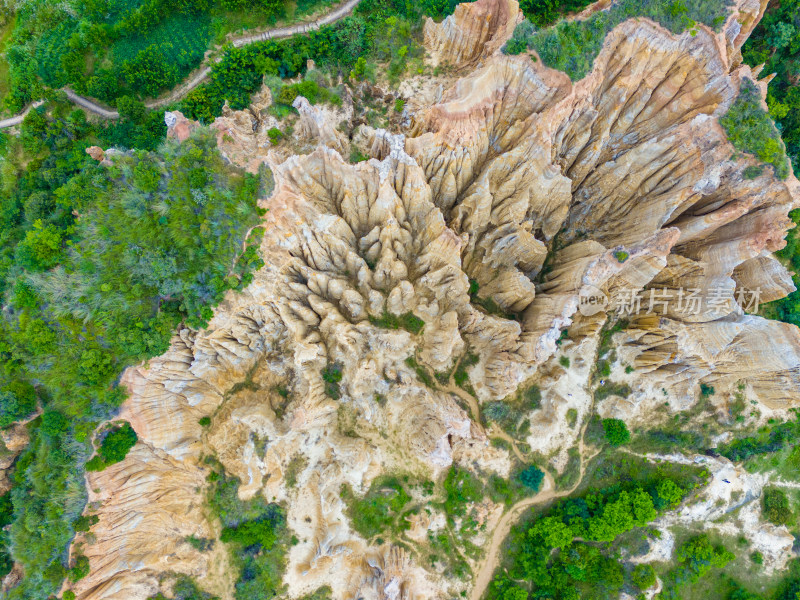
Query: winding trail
{"points": [[501, 531], [201, 73]]}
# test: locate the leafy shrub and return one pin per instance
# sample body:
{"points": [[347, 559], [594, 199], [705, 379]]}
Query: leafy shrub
{"points": [[310, 90], [115, 446], [750, 129], [531, 477], [251, 533], [332, 376], [706, 391], [80, 569], [17, 401], [41, 248], [644, 576], [545, 12], [185, 588], [85, 522], [768, 439], [775, 43], [697, 556], [581, 568], [275, 135], [616, 432], [256, 533]]}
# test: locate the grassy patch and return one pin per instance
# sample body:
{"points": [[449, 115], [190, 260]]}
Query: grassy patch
{"points": [[422, 373], [380, 510], [488, 304], [572, 471], [610, 388]]}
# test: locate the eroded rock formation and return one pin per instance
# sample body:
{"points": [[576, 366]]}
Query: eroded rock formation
{"points": [[489, 217]]}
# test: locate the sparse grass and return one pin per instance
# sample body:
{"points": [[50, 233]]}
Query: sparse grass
{"points": [[296, 465], [610, 388], [572, 471], [752, 172], [488, 304], [511, 413], [572, 417], [356, 156], [461, 377], [741, 573]]}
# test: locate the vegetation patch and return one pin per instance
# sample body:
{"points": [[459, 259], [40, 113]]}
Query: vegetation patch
{"points": [[332, 376], [184, 588], [422, 373], [616, 432], [408, 321], [562, 552], [255, 532], [380, 510], [511, 414], [114, 447], [611, 388], [572, 46], [750, 129]]}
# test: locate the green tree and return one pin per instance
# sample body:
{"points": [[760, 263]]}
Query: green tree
{"points": [[41, 248], [616, 432], [668, 494], [17, 401], [553, 532], [644, 576]]}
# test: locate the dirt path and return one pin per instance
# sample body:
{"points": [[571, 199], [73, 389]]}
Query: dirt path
{"points": [[17, 119], [545, 495], [202, 73]]}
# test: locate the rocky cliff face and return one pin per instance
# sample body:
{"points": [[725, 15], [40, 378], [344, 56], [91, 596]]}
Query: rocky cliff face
{"points": [[515, 186]]}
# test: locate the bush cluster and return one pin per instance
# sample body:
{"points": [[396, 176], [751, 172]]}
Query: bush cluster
{"points": [[572, 46]]}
